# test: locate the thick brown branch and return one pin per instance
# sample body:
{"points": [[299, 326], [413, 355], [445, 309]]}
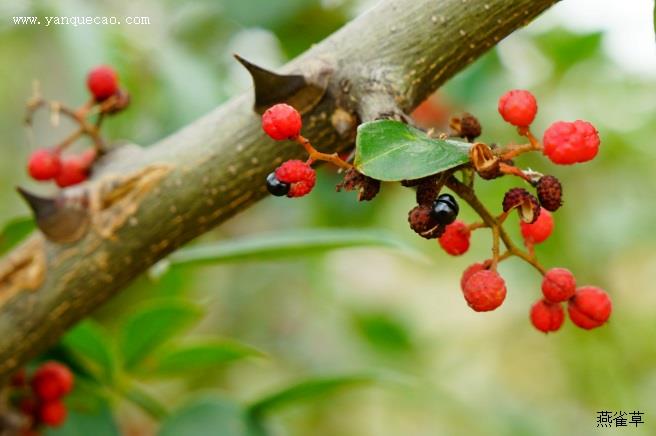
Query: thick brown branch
{"points": [[215, 167]]}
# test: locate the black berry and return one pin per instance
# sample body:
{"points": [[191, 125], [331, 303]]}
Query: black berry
{"points": [[275, 186], [445, 209]]}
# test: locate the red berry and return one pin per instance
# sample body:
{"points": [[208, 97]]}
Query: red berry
{"points": [[102, 81], [558, 285], [518, 107], [300, 176], [590, 307], [52, 413], [540, 230], [51, 381], [566, 143], [455, 239], [282, 122], [470, 271], [546, 316], [44, 164], [75, 169], [485, 290]]}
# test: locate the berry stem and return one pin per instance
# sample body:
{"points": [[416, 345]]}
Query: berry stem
{"points": [[526, 131], [495, 246], [317, 155], [513, 171], [69, 140], [467, 194]]}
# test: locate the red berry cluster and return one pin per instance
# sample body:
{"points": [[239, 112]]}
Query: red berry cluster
{"points": [[588, 306], [40, 398], [294, 178], [49, 163], [435, 215]]}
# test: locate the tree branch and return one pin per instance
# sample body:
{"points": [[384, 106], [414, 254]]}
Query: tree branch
{"points": [[195, 179]]}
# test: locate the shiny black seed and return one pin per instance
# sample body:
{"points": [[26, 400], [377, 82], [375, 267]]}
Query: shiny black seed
{"points": [[445, 210], [449, 199], [275, 186]]}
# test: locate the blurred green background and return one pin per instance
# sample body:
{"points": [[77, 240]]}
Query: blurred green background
{"points": [[442, 368]]}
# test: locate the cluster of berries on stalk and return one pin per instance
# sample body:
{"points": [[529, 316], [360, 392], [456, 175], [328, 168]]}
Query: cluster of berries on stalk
{"points": [[296, 178], [483, 288], [39, 397], [107, 98], [435, 215]]}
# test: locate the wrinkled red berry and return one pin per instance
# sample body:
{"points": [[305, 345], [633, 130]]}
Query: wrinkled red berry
{"points": [[281, 122], [470, 271], [51, 381], [74, 170], [485, 290], [558, 284], [567, 143], [540, 230], [44, 164], [590, 307], [52, 413], [518, 107], [300, 176], [546, 316], [102, 82], [455, 239]]}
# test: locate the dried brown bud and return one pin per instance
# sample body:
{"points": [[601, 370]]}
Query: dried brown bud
{"points": [[367, 187], [550, 193], [526, 204], [484, 161], [117, 102], [466, 126]]}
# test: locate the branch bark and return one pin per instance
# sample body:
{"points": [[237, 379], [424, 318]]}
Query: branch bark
{"points": [[386, 61]]}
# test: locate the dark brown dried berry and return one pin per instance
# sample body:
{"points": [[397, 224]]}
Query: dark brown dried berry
{"points": [[550, 193], [427, 192], [527, 205], [423, 224], [366, 186], [416, 182], [470, 127]]}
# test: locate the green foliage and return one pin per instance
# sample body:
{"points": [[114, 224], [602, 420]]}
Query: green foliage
{"points": [[307, 390], [199, 355], [153, 325], [384, 332], [217, 415], [15, 231], [98, 423], [93, 349], [391, 151], [290, 244]]}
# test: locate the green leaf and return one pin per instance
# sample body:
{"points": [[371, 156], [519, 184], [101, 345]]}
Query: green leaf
{"points": [[151, 326], [385, 332], [201, 355], [15, 231], [391, 151], [209, 415], [93, 349], [288, 244], [309, 389]]}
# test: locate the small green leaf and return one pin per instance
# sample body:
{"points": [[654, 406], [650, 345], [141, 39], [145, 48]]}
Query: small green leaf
{"points": [[309, 389], [92, 348], [385, 332], [209, 415], [202, 355], [288, 244], [15, 231], [153, 325], [391, 151]]}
